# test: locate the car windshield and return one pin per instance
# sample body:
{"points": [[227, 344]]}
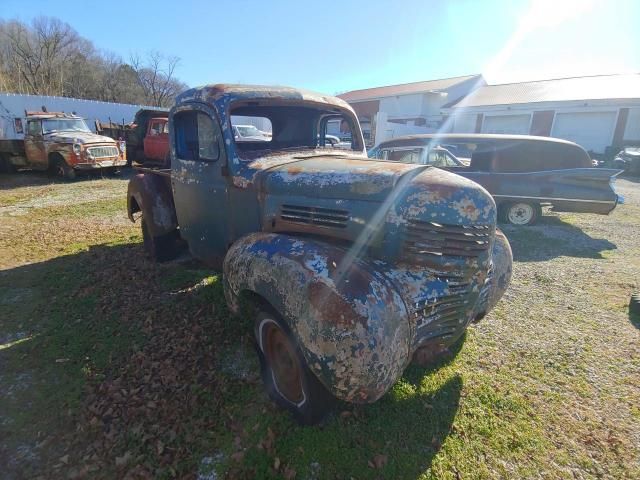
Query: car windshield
{"points": [[249, 131], [64, 124]]}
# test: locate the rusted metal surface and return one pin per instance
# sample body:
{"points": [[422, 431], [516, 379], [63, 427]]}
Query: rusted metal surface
{"points": [[367, 262], [150, 195], [351, 324]]}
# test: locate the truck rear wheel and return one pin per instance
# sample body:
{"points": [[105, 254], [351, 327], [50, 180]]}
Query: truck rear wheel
{"points": [[159, 248], [6, 166], [285, 374]]}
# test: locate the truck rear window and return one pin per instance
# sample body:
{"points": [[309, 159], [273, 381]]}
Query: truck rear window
{"points": [[284, 127]]}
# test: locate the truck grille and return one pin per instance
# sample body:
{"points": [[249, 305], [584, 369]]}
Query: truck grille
{"points": [[435, 239], [442, 316], [326, 217], [102, 152]]}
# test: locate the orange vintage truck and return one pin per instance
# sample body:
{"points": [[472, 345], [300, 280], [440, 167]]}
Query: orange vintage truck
{"points": [[58, 142]]}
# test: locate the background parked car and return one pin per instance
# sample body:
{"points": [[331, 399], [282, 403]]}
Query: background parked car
{"points": [[523, 173], [628, 159]]}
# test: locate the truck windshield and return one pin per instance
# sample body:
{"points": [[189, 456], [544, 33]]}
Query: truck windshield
{"points": [[64, 124]]}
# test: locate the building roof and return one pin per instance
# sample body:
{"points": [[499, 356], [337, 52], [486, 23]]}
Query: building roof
{"points": [[404, 89], [600, 87]]}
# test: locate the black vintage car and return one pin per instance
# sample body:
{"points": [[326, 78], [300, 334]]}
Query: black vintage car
{"points": [[523, 173]]}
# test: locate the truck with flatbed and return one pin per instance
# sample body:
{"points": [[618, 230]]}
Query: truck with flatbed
{"points": [[351, 268], [57, 142]]}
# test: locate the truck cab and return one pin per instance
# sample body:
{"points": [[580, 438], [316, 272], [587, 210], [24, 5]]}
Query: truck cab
{"points": [[156, 140], [62, 144], [354, 267]]}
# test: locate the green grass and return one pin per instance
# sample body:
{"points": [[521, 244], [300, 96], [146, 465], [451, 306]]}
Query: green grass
{"points": [[111, 365]]}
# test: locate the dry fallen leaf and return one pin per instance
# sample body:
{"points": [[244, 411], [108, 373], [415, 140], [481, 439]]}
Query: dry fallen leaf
{"points": [[289, 473], [123, 460], [237, 457], [378, 461]]}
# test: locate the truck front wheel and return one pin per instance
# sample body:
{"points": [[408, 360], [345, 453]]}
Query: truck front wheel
{"points": [[159, 248], [60, 168], [285, 374]]}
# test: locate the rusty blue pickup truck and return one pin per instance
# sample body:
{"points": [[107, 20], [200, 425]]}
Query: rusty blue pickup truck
{"points": [[352, 267]]}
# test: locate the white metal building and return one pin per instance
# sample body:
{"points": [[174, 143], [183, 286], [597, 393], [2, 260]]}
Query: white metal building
{"points": [[13, 106], [409, 107], [601, 113]]}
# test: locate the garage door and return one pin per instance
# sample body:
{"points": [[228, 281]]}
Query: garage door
{"points": [[632, 131], [513, 124], [464, 123], [593, 130]]}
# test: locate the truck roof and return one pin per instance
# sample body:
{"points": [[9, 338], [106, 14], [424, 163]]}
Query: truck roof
{"points": [[257, 92], [37, 114]]}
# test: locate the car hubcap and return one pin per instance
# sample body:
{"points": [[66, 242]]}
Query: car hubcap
{"points": [[520, 213], [284, 363]]}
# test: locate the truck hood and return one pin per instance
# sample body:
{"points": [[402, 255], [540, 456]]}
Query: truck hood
{"points": [[333, 176], [78, 137], [384, 205]]}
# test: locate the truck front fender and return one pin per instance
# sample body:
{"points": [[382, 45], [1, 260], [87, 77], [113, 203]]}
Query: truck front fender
{"points": [[151, 194], [351, 325], [499, 277]]}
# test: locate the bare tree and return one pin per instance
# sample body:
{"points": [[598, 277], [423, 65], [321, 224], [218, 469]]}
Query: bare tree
{"points": [[156, 77], [39, 54], [48, 57]]}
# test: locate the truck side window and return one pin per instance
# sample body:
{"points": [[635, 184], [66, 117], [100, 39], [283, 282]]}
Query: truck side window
{"points": [[197, 136], [34, 128], [335, 132]]}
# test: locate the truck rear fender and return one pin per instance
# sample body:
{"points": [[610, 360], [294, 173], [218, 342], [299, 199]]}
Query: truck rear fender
{"points": [[151, 195], [350, 323]]}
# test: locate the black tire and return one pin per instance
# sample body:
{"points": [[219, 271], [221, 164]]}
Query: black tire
{"points": [[6, 166], [60, 168], [159, 248], [634, 303], [285, 374], [520, 213]]}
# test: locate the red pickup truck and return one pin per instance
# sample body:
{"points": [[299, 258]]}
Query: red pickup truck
{"points": [[156, 140]]}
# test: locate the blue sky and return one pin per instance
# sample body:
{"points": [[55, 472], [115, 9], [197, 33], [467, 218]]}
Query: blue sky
{"points": [[335, 46]]}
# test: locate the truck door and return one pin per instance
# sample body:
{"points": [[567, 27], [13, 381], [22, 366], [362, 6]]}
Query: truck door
{"points": [[199, 182], [34, 147], [163, 141], [152, 140]]}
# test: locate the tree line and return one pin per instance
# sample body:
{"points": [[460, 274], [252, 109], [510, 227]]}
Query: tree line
{"points": [[48, 57]]}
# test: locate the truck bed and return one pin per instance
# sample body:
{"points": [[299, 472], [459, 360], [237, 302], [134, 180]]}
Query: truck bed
{"points": [[148, 168]]}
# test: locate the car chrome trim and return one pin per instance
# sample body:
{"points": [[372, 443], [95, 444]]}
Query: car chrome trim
{"points": [[557, 199]]}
